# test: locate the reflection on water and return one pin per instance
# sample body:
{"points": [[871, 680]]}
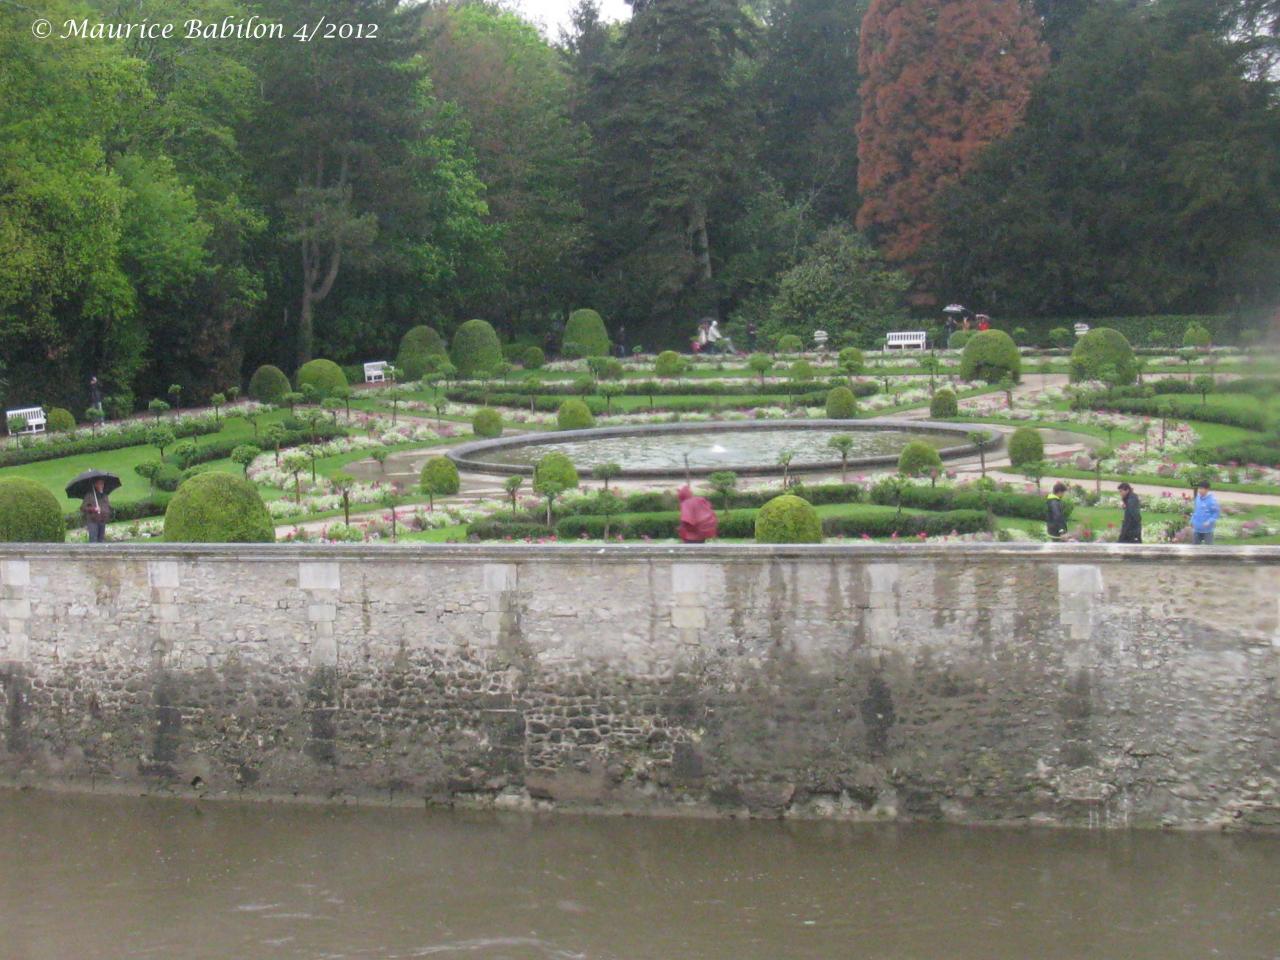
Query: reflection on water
{"points": [[96, 877], [708, 449]]}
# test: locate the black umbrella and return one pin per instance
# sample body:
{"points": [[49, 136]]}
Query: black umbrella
{"points": [[82, 484]]}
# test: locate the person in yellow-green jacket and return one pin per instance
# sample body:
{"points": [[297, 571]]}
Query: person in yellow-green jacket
{"points": [[1056, 512]]}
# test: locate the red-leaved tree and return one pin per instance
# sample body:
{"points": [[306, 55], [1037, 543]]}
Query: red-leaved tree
{"points": [[941, 79]]}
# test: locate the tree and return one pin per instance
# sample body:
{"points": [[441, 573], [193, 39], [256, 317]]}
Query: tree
{"points": [[606, 472], [175, 391], [160, 436], [512, 487], [980, 439], [842, 444], [275, 435], [158, 407], [439, 479], [724, 482], [244, 455], [344, 483], [941, 80], [217, 401], [1204, 385], [294, 464], [552, 476], [920, 459]]}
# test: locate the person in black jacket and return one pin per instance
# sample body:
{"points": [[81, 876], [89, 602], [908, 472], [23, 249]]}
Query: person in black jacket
{"points": [[1131, 525], [1056, 513]]}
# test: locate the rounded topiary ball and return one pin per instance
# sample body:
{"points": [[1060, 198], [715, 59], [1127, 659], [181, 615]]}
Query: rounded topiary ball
{"points": [[574, 414], [790, 343], [215, 507], [59, 420], [440, 477], [841, 404], [1025, 446], [268, 384], [475, 348], [417, 347], [585, 335], [324, 376], [958, 339], [788, 519], [487, 423], [991, 355], [1104, 354], [29, 513], [944, 405], [919, 459], [668, 364], [533, 358]]}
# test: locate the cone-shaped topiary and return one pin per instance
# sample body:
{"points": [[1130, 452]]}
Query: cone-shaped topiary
{"points": [[585, 335], [439, 477], [487, 423], [918, 459], [268, 384], [1103, 354], [788, 519], [574, 415], [324, 376], [475, 348], [944, 405], [29, 513], [991, 355], [417, 347], [217, 507], [841, 404], [1025, 446]]}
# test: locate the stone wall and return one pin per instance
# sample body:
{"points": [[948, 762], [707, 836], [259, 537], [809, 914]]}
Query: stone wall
{"points": [[1070, 684]]}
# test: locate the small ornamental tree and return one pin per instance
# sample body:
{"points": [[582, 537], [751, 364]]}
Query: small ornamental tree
{"points": [[584, 336], [851, 362], [216, 507], [475, 347], [843, 445], [944, 405], [606, 472], [175, 391], [1025, 446], [439, 479], [760, 364], [512, 486], [669, 364], [724, 482], [158, 407], [160, 436], [841, 404], [344, 482], [790, 343], [788, 519], [148, 470], [217, 401], [991, 356], [244, 455], [268, 384], [29, 513], [274, 436], [1197, 337], [920, 459], [1103, 354], [1204, 385], [487, 422], [552, 476], [609, 391], [982, 440], [574, 414], [1060, 338], [294, 464]]}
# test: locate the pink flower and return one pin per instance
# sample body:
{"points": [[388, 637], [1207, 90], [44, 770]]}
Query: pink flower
{"points": [[866, 536]]}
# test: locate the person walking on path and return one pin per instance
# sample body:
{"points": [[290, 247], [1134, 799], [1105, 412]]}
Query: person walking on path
{"points": [[698, 522], [96, 508], [1131, 525], [1204, 514], [1056, 512]]}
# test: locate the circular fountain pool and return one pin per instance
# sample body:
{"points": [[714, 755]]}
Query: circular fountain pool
{"points": [[745, 447]]}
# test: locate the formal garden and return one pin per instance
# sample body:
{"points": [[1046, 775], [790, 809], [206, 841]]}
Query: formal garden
{"points": [[325, 456]]}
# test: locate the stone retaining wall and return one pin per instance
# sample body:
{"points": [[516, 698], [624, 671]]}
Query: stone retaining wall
{"points": [[1071, 684]]}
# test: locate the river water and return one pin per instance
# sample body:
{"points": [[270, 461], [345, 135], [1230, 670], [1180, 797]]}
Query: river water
{"points": [[83, 878]]}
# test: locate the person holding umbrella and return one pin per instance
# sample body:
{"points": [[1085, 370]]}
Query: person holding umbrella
{"points": [[94, 488]]}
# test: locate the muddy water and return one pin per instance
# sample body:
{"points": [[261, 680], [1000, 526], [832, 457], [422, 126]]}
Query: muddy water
{"points": [[96, 877]]}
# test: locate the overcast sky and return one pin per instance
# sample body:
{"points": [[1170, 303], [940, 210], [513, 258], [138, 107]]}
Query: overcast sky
{"points": [[551, 15]]}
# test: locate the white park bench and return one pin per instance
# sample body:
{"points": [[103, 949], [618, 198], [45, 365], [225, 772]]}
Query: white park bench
{"points": [[32, 416], [903, 339], [1081, 329], [375, 372]]}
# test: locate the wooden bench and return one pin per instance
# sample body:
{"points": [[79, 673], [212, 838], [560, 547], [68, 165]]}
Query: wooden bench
{"points": [[376, 372], [33, 417], [903, 339]]}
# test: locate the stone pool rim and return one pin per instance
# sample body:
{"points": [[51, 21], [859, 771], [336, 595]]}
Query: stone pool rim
{"points": [[465, 456]]}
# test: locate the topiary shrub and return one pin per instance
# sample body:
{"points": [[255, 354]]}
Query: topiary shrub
{"points": [[851, 361], [268, 384], [585, 335], [558, 469], [669, 364], [59, 420], [944, 405], [1197, 336], [919, 459], [322, 376], [790, 343], [217, 507], [1104, 354], [439, 478], [841, 404], [574, 414], [1021, 337], [1025, 446], [487, 423], [475, 348], [29, 513], [417, 347], [958, 339], [533, 358], [991, 356], [1061, 337], [788, 519]]}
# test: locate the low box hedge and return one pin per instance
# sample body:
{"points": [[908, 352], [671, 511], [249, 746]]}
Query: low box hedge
{"points": [[56, 446]]}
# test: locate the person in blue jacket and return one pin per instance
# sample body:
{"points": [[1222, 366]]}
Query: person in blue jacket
{"points": [[1204, 514]]}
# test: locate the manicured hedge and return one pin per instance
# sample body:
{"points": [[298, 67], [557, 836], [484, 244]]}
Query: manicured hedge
{"points": [[217, 508], [747, 388], [1181, 408], [268, 384], [1029, 506], [323, 376], [295, 435], [130, 510], [907, 524], [1164, 331], [56, 446], [788, 519], [29, 513]]}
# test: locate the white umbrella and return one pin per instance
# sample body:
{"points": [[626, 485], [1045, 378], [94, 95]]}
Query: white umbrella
{"points": [[955, 308]]}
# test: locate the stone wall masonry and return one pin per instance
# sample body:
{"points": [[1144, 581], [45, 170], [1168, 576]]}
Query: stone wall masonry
{"points": [[1071, 684]]}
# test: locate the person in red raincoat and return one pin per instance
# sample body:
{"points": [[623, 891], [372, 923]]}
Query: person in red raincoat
{"points": [[697, 519]]}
